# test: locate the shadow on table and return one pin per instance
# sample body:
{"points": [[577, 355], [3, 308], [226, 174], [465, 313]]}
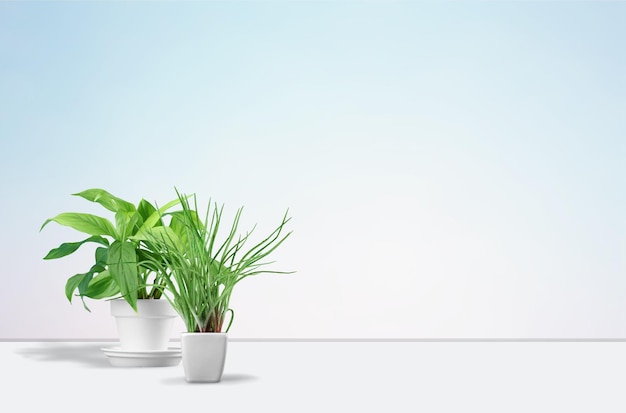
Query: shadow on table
{"points": [[86, 354], [227, 379]]}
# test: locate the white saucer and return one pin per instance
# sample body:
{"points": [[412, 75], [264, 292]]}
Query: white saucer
{"points": [[151, 358]]}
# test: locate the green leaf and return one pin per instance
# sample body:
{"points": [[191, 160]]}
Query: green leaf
{"points": [[177, 224], [72, 284], [98, 267], [101, 256], [102, 286], [69, 247], [126, 224], [122, 262], [164, 235], [134, 224], [155, 218], [148, 260], [146, 209], [87, 223], [110, 202]]}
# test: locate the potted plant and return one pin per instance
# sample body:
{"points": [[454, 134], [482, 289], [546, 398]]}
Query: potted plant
{"points": [[200, 273], [143, 321]]}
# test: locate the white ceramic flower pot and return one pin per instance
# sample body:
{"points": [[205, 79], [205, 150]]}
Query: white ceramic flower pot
{"points": [[204, 355], [147, 329]]}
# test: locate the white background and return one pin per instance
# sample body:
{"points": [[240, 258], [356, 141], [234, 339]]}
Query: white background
{"points": [[452, 170]]}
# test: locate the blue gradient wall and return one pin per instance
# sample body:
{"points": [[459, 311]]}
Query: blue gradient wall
{"points": [[453, 169]]}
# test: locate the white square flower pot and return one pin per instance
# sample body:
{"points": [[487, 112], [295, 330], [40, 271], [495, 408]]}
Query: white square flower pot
{"points": [[204, 356]]}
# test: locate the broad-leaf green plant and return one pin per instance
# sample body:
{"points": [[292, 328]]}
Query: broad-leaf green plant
{"points": [[118, 269], [200, 272]]}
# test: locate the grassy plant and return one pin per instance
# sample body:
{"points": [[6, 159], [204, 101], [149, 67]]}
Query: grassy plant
{"points": [[200, 272]]}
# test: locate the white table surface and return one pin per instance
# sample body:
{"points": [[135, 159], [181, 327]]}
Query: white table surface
{"points": [[326, 377]]}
